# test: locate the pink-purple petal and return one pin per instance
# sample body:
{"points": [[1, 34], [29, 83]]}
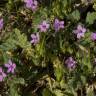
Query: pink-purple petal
{"points": [[14, 65], [0, 69], [1, 78], [7, 65], [9, 70]]}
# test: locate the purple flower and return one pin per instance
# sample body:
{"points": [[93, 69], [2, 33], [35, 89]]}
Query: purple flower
{"points": [[58, 25], [31, 4], [1, 24], [35, 38], [80, 31], [43, 26], [93, 36], [70, 63], [11, 66], [2, 74]]}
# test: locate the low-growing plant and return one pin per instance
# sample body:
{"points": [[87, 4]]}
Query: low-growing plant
{"points": [[47, 47]]}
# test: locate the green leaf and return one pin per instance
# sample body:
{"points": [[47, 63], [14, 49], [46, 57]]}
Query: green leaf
{"points": [[58, 69], [13, 91], [15, 40], [40, 48], [75, 15], [82, 48], [46, 92], [18, 81], [9, 44], [65, 2], [21, 39], [91, 17], [83, 79], [58, 92], [58, 73], [13, 88], [86, 61]]}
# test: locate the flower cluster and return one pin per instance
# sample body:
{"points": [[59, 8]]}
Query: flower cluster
{"points": [[10, 66], [2, 74], [31, 4], [58, 25], [93, 36], [80, 31], [43, 26], [70, 63], [35, 38], [10, 69]]}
